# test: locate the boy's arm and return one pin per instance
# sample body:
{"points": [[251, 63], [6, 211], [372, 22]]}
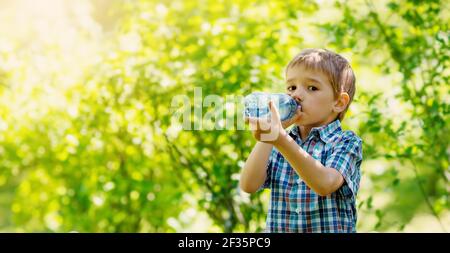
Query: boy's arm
{"points": [[254, 172], [321, 179]]}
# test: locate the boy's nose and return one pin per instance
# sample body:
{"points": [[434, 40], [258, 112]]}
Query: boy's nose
{"points": [[297, 96]]}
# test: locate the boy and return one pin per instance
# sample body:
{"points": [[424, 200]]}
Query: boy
{"points": [[313, 170]]}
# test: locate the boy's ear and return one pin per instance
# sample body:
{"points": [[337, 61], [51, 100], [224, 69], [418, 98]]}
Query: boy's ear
{"points": [[341, 102]]}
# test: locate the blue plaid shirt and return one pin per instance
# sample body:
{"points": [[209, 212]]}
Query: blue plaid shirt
{"points": [[294, 207]]}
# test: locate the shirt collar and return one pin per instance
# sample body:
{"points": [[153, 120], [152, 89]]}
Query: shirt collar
{"points": [[325, 132]]}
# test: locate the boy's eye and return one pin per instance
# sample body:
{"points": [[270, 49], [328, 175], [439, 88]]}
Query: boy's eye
{"points": [[312, 88], [291, 88]]}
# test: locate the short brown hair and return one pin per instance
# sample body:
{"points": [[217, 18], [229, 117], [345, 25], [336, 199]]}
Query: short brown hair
{"points": [[334, 66]]}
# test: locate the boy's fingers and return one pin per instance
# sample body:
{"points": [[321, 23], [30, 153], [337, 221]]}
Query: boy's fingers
{"points": [[275, 116], [251, 120], [258, 123]]}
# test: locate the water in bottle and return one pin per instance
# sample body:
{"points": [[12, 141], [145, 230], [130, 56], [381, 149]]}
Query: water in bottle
{"points": [[257, 105]]}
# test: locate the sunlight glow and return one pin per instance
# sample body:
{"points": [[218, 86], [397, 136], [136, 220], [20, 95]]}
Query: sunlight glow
{"points": [[48, 37]]}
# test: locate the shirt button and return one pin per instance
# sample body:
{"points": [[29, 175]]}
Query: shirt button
{"points": [[299, 181], [297, 210]]}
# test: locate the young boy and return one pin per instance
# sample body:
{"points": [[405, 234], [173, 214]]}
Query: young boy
{"points": [[313, 170]]}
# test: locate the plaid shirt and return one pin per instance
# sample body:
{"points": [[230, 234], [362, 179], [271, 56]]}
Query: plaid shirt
{"points": [[294, 207]]}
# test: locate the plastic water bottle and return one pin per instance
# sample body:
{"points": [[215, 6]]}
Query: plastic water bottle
{"points": [[257, 105]]}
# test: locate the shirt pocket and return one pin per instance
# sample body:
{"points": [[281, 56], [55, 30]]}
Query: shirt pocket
{"points": [[304, 199], [283, 174]]}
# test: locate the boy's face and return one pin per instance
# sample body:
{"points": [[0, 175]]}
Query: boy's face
{"points": [[314, 92]]}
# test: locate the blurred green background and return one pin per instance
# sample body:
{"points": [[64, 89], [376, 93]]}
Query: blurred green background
{"points": [[86, 140]]}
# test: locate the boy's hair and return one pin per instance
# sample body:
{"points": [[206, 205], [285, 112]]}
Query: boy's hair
{"points": [[335, 67]]}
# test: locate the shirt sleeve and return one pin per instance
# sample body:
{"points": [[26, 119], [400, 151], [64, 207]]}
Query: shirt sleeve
{"points": [[346, 157], [268, 182]]}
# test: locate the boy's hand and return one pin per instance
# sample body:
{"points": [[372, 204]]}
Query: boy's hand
{"points": [[268, 130]]}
